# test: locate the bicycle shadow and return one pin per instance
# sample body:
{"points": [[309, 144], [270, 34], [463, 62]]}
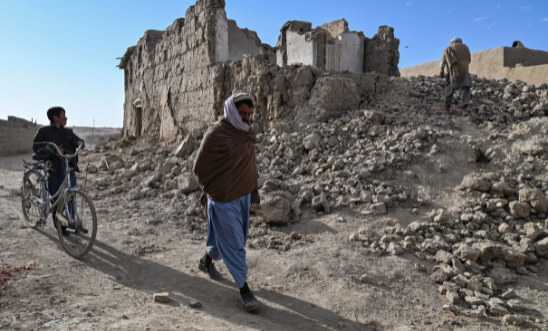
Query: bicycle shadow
{"points": [[219, 298]]}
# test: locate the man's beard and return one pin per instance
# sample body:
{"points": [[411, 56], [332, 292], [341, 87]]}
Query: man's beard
{"points": [[247, 121]]}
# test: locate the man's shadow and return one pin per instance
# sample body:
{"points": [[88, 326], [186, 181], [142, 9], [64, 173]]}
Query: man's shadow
{"points": [[220, 299]]}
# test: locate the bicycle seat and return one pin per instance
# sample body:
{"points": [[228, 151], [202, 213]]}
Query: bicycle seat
{"points": [[40, 157]]}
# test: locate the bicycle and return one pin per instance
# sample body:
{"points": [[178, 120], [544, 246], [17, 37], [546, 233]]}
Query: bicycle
{"points": [[75, 212]]}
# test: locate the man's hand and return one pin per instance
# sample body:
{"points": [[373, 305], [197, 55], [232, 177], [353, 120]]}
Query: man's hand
{"points": [[83, 144], [61, 150], [441, 74]]}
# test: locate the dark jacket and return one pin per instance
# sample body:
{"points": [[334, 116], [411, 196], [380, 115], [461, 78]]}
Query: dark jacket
{"points": [[59, 136]]}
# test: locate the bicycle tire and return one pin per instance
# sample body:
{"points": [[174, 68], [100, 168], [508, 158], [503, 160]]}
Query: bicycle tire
{"points": [[31, 213], [78, 244]]}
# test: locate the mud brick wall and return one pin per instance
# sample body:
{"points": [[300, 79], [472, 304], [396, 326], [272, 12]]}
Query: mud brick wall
{"points": [[16, 135]]}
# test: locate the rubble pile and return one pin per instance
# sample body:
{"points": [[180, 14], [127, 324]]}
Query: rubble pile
{"points": [[358, 159]]}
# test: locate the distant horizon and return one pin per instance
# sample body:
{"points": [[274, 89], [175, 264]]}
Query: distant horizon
{"points": [[64, 53]]}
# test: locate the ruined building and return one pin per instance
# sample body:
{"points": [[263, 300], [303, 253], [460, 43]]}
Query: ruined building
{"points": [[177, 80], [513, 63]]}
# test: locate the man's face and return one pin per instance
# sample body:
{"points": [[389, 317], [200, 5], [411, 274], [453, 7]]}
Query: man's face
{"points": [[245, 112], [60, 120]]}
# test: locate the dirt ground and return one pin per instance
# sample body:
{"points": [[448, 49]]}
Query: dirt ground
{"points": [[315, 285]]}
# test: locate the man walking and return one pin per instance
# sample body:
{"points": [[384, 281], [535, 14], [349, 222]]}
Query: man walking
{"points": [[226, 167], [67, 141], [457, 59]]}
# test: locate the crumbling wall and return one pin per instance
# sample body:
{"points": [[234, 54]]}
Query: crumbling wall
{"points": [[490, 64], [382, 53], [334, 47], [287, 96], [16, 136], [170, 86], [176, 81]]}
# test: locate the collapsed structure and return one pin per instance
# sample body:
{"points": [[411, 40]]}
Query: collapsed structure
{"points": [[177, 80]]}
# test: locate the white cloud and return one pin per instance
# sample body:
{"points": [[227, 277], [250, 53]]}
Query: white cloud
{"points": [[492, 25], [480, 19], [409, 3], [544, 19], [498, 6]]}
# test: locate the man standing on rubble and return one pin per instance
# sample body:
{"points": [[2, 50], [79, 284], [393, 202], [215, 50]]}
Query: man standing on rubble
{"points": [[457, 59], [226, 167]]}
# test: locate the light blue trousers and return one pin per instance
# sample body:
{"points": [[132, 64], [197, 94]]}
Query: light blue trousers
{"points": [[227, 227]]}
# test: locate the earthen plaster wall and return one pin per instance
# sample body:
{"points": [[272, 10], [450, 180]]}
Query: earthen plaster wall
{"points": [[177, 80], [16, 136], [491, 64]]}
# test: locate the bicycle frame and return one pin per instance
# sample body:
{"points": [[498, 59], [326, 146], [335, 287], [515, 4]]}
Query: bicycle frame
{"points": [[47, 206]]}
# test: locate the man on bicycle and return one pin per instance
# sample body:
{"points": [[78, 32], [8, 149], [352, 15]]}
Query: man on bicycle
{"points": [[67, 141]]}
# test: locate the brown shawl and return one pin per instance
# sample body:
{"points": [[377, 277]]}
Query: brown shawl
{"points": [[457, 56], [226, 165]]}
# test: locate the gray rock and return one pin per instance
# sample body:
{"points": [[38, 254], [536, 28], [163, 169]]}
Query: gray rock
{"points": [[452, 297], [135, 194], [473, 300], [187, 183], [274, 209], [475, 182], [186, 147], [509, 294], [535, 197], [478, 313], [439, 276], [513, 320], [541, 248], [378, 208], [312, 141], [394, 249], [499, 310], [195, 303], [503, 275], [474, 285], [161, 297], [320, 203], [465, 252], [520, 209], [516, 305], [443, 257]]}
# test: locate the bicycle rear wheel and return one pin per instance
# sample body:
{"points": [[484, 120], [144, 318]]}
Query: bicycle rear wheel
{"points": [[32, 189], [80, 220]]}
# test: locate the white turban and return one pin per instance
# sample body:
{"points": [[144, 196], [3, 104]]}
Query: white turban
{"points": [[456, 41], [231, 112]]}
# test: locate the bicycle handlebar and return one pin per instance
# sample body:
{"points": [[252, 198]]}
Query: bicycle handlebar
{"points": [[66, 156]]}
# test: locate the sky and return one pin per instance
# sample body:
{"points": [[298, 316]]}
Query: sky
{"points": [[63, 52]]}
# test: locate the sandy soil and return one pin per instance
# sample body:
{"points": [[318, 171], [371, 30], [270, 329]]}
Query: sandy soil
{"points": [[313, 286]]}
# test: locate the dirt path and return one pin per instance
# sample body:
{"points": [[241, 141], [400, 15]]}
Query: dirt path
{"points": [[315, 285]]}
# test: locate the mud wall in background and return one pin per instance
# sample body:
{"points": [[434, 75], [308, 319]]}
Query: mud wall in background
{"points": [[16, 136], [492, 63]]}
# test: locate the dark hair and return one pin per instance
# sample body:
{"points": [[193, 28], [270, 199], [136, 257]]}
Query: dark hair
{"points": [[247, 102], [55, 111]]}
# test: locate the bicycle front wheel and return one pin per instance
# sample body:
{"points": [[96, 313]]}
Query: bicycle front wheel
{"points": [[32, 198], [77, 215]]}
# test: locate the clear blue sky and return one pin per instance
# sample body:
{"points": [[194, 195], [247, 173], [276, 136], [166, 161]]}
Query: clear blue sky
{"points": [[64, 52]]}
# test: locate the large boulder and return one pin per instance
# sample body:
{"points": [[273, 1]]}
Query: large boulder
{"points": [[475, 182], [274, 209], [187, 183], [520, 209], [535, 197]]}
